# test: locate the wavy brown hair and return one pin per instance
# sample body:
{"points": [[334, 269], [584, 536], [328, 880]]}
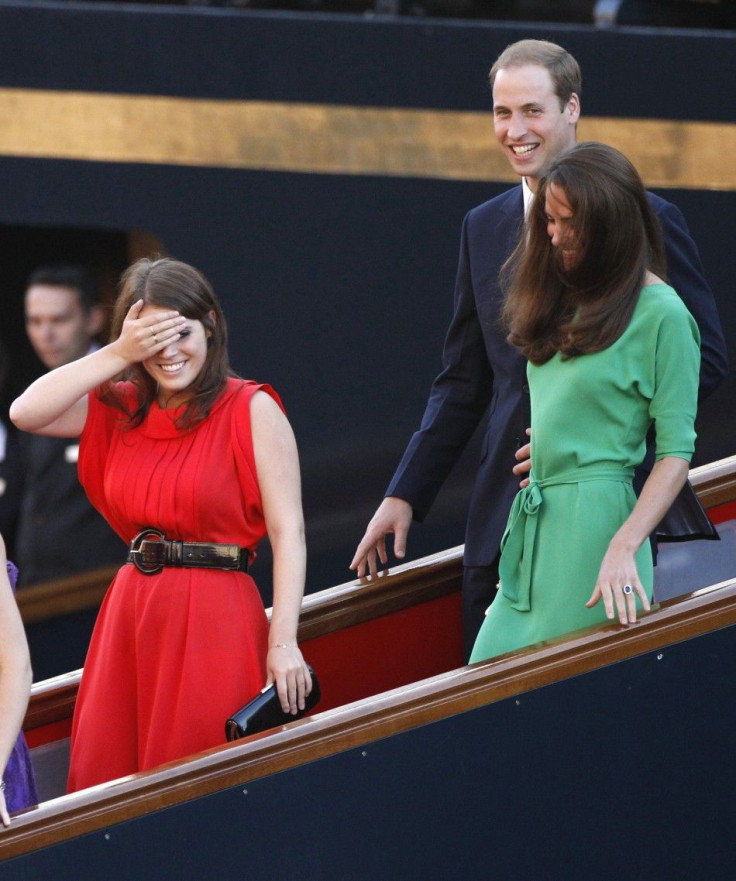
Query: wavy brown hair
{"points": [[584, 309], [171, 284]]}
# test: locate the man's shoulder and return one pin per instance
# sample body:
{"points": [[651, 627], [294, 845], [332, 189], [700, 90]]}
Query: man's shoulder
{"points": [[661, 205], [508, 201], [503, 214]]}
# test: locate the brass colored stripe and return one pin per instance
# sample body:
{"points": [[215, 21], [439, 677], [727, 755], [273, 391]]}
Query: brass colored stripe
{"points": [[671, 153], [329, 139]]}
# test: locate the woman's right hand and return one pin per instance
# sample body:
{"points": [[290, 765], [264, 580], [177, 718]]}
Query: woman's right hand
{"points": [[143, 336], [286, 668], [618, 584]]}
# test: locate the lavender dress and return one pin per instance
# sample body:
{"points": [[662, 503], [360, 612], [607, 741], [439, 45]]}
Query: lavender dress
{"points": [[20, 785]]}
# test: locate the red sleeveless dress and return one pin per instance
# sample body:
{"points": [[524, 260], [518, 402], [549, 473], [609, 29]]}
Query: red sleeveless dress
{"points": [[175, 653]]}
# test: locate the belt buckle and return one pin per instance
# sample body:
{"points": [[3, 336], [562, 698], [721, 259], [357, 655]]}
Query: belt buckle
{"points": [[136, 554]]}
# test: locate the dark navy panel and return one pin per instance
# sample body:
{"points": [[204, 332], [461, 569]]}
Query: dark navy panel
{"points": [[625, 772], [347, 59]]}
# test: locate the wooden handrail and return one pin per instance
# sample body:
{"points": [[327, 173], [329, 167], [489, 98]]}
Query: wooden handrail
{"points": [[52, 700], [362, 600], [381, 716], [715, 483], [63, 596], [368, 720]]}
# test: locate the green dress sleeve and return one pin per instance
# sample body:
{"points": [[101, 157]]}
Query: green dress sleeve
{"points": [[676, 369]]}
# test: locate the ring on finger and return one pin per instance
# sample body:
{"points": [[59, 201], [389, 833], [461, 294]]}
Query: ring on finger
{"points": [[628, 589]]}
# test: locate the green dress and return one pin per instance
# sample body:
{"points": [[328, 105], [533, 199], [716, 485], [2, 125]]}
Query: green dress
{"points": [[590, 416]]}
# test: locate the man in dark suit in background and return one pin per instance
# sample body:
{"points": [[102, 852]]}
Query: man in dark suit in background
{"points": [[59, 532], [536, 107]]}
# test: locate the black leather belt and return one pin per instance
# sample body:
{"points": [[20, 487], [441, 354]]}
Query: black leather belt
{"points": [[150, 551]]}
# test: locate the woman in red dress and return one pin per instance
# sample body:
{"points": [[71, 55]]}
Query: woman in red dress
{"points": [[193, 466]]}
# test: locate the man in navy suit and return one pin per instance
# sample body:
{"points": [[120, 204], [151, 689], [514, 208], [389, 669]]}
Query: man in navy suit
{"points": [[536, 107]]}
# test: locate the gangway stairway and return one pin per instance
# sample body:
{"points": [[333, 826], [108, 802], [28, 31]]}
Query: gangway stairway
{"points": [[606, 754]]}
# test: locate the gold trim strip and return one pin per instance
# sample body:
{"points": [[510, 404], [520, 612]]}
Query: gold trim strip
{"points": [[330, 139]]}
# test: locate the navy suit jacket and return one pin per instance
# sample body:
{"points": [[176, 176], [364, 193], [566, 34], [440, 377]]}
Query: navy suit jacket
{"points": [[59, 532], [484, 375]]}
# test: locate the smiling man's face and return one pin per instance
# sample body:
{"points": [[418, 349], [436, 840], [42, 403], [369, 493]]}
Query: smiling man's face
{"points": [[530, 125]]}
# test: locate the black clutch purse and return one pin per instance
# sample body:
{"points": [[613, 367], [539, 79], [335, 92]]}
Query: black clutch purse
{"points": [[264, 712], [686, 520]]}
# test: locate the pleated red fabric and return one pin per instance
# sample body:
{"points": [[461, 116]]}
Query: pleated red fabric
{"points": [[175, 653]]}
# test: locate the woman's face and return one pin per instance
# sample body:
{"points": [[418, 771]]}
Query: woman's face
{"points": [[177, 366], [560, 226]]}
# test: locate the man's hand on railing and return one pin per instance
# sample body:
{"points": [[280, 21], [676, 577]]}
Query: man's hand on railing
{"points": [[393, 516]]}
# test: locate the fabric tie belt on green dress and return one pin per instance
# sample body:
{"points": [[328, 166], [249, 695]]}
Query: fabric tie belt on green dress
{"points": [[517, 544]]}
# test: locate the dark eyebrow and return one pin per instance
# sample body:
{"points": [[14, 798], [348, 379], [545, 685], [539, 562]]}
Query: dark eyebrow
{"points": [[529, 106]]}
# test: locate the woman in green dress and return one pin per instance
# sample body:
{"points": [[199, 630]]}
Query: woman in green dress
{"points": [[612, 350]]}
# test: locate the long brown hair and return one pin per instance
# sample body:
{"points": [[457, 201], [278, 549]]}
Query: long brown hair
{"points": [[584, 309], [171, 284]]}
